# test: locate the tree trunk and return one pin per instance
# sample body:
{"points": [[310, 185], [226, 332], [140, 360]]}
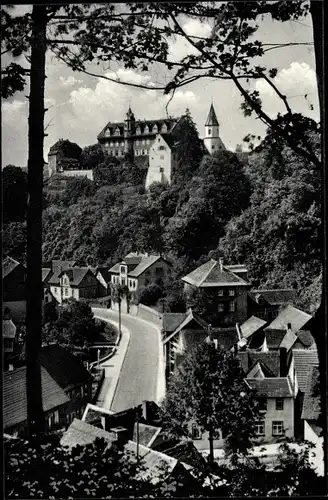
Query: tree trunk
{"points": [[319, 329], [34, 222], [210, 440]]}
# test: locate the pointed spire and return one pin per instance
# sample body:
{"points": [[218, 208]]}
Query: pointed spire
{"points": [[211, 119]]}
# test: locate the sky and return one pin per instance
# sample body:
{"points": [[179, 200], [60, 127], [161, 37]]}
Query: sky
{"points": [[79, 106]]}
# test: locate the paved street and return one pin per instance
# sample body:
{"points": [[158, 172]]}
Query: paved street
{"points": [[138, 378]]}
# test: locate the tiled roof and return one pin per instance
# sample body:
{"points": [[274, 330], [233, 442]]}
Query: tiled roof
{"points": [[147, 433], [8, 329], [82, 433], [145, 263], [275, 297], [292, 315], [211, 118], [251, 325], [57, 267], [8, 265], [210, 274], [274, 337], [14, 395], [276, 387], [154, 461], [46, 273], [306, 338], [191, 316], [76, 274], [63, 366], [269, 359], [304, 359], [172, 320], [311, 402]]}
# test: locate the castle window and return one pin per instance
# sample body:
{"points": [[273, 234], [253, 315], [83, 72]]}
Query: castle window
{"points": [[117, 144], [137, 152], [143, 142], [143, 152], [137, 142], [209, 131], [138, 131], [232, 306], [116, 153], [117, 131], [146, 129], [220, 307], [122, 143], [107, 133], [164, 128], [155, 128], [161, 148], [147, 141]]}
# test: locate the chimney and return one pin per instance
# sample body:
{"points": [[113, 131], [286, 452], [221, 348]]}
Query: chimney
{"points": [[120, 434], [144, 406], [221, 264], [283, 361], [289, 326]]}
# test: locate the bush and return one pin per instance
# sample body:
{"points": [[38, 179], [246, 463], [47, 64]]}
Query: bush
{"points": [[150, 295]]}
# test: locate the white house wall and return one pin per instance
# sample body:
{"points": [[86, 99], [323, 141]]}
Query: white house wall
{"points": [[159, 159]]}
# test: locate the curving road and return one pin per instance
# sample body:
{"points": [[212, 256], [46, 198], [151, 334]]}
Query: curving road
{"points": [[138, 379]]}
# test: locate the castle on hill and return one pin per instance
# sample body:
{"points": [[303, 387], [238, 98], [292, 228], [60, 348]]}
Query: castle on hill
{"points": [[154, 141]]}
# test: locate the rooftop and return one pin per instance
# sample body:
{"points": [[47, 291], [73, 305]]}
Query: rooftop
{"points": [[82, 433], [292, 315], [274, 297], [64, 367], [304, 359], [8, 329], [211, 118], [14, 395], [212, 274], [311, 402], [251, 325], [275, 387], [136, 264], [172, 320], [8, 265], [76, 274], [271, 360]]}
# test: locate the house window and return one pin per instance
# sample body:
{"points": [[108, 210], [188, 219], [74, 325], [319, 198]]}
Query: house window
{"points": [[259, 428], [57, 417], [161, 148], [232, 307], [277, 428], [123, 270], [143, 152], [232, 292], [195, 432], [220, 293], [279, 404], [117, 131], [262, 403], [220, 307], [55, 290], [161, 169], [66, 292], [138, 131], [116, 153], [123, 281], [159, 139]]}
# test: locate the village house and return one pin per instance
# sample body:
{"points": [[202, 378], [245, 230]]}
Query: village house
{"points": [[224, 290], [266, 304], [136, 271], [14, 289], [54, 401], [71, 376], [75, 282], [104, 277]]}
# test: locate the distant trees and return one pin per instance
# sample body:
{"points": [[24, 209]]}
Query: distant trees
{"points": [[14, 192], [91, 156], [150, 295], [209, 391]]}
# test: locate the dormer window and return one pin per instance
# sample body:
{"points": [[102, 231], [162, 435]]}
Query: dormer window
{"points": [[146, 129], [155, 128], [107, 133], [138, 130], [164, 128], [123, 269], [117, 131]]}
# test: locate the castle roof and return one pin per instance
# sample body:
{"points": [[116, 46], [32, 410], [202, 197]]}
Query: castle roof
{"points": [[211, 118], [116, 129]]}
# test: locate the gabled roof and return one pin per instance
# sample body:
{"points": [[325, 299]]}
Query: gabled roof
{"points": [[46, 273], [304, 359], [145, 263], [147, 433], [65, 368], [274, 337], [169, 122], [211, 274], [292, 315], [275, 297], [211, 118], [82, 433], [14, 395], [8, 329], [289, 340], [104, 271], [260, 366], [276, 387], [137, 264], [305, 336], [8, 265], [57, 267], [311, 402], [172, 320], [269, 359], [251, 325], [76, 274], [191, 316]]}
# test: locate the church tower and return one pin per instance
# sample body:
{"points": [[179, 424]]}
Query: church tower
{"points": [[129, 126], [212, 139]]}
